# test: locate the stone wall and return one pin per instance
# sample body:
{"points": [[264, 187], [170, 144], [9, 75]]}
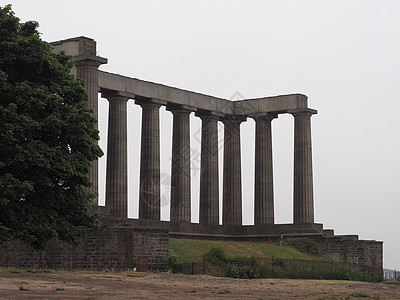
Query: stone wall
{"points": [[105, 248], [367, 255], [120, 243]]}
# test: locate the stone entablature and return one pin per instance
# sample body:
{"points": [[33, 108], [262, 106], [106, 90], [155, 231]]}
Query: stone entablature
{"points": [[139, 89]]}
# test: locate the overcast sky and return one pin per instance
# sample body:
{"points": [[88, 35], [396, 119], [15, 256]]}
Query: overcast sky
{"points": [[344, 55]]}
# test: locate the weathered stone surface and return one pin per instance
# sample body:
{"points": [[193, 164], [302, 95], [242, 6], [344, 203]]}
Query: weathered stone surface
{"points": [[180, 167], [263, 179], [232, 180], [107, 248], [209, 181], [134, 87], [117, 156], [303, 202], [149, 189], [367, 255]]}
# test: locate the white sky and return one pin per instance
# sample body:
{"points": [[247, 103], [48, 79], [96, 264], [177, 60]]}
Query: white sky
{"points": [[345, 55]]}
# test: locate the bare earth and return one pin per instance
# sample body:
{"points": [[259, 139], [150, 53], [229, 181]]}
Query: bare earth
{"points": [[128, 285]]}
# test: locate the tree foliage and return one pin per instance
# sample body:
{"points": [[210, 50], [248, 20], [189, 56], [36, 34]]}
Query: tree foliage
{"points": [[47, 139]]}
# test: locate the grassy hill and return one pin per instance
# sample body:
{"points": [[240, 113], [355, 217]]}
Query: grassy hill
{"points": [[253, 260], [192, 250]]}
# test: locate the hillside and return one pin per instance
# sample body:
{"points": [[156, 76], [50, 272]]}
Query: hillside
{"points": [[192, 250]]}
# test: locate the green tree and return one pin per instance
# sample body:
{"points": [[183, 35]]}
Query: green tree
{"points": [[47, 139]]}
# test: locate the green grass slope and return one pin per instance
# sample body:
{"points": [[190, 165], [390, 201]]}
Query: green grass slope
{"points": [[190, 250]]}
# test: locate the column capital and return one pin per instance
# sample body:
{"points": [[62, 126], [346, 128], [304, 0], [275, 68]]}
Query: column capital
{"points": [[212, 115], [204, 117], [303, 112], [89, 60], [179, 109], [150, 103], [233, 119], [114, 96], [265, 117]]}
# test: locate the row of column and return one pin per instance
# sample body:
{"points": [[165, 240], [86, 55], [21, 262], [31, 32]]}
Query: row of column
{"points": [[149, 188]]}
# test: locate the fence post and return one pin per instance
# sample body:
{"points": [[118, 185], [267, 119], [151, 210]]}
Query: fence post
{"points": [[272, 267], [293, 267], [312, 269], [204, 266], [192, 268]]}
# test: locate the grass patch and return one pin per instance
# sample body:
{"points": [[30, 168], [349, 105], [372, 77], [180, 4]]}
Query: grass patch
{"points": [[22, 288], [193, 250], [360, 294], [224, 292], [13, 270], [260, 260], [38, 271], [343, 282]]}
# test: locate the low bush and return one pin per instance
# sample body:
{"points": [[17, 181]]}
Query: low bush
{"points": [[242, 267], [305, 245], [174, 261], [216, 255]]}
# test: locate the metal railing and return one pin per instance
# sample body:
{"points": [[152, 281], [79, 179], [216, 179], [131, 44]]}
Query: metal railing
{"points": [[254, 267]]}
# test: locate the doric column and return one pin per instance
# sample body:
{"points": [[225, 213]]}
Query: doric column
{"points": [[87, 69], [116, 173], [83, 50], [263, 180], [180, 168], [303, 202], [149, 189], [232, 182], [209, 183]]}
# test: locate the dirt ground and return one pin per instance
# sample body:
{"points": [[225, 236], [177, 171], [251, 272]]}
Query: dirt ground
{"points": [[129, 285]]}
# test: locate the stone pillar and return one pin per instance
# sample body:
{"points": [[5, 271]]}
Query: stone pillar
{"points": [[149, 189], [263, 179], [180, 168], [117, 167], [232, 182], [87, 69], [209, 182], [303, 202]]}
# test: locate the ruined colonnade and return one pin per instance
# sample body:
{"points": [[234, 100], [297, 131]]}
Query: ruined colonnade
{"points": [[118, 90]]}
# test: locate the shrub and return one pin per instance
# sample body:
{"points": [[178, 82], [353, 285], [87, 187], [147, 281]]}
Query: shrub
{"points": [[243, 267], [278, 262], [360, 294], [174, 261], [215, 255], [305, 245]]}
